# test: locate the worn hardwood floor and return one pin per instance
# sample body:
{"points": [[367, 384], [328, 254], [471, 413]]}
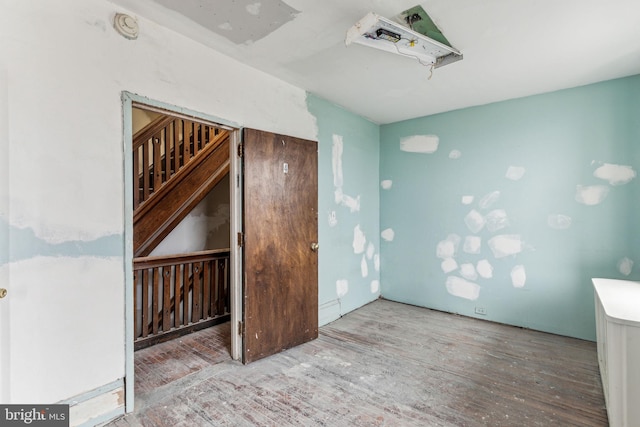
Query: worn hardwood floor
{"points": [[386, 364]]}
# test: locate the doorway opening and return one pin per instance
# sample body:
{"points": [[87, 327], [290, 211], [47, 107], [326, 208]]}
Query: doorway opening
{"points": [[182, 262]]}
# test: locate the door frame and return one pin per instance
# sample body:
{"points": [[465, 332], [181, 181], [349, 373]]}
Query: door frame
{"points": [[129, 100]]}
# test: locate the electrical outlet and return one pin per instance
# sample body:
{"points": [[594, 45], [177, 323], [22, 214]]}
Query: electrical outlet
{"points": [[481, 310]]}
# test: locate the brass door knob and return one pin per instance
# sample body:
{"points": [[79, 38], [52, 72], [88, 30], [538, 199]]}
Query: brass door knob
{"points": [[3, 292], [314, 247]]}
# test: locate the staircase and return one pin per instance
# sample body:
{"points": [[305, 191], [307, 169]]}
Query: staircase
{"points": [[176, 162]]}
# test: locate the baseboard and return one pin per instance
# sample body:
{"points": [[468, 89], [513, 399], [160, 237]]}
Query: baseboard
{"points": [[98, 406], [328, 312]]}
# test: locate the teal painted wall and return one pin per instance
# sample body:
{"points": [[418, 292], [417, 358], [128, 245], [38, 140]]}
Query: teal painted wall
{"points": [[542, 223], [348, 209]]}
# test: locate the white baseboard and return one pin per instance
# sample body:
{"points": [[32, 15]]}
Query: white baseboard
{"points": [[97, 407], [328, 312]]}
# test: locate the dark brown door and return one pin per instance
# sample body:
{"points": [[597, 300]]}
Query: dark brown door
{"points": [[280, 287]]}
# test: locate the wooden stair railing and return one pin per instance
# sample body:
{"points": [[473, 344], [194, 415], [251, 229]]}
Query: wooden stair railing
{"points": [[178, 294], [176, 162]]}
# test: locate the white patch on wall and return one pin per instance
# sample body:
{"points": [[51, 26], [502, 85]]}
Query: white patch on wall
{"points": [[468, 271], [333, 219], [591, 195], [448, 265], [388, 234], [447, 248], [420, 144], [370, 250], [467, 200], [496, 220], [455, 154], [474, 221], [504, 245], [375, 286], [459, 287], [518, 276], [386, 184], [489, 199], [472, 244], [254, 8], [625, 265], [359, 240], [347, 201], [342, 287], [559, 221], [376, 262], [336, 160], [514, 173], [484, 269], [225, 26], [615, 174], [364, 267]]}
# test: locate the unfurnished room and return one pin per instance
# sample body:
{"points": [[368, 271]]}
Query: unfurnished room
{"points": [[319, 213]]}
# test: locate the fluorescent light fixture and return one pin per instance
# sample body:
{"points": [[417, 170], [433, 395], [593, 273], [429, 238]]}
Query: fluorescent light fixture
{"points": [[381, 33]]}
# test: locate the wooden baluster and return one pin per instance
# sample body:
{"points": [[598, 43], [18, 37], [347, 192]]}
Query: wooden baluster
{"points": [[166, 293], [155, 297], [177, 295], [157, 164], [197, 130], [214, 287], [145, 169], [206, 292], [167, 153], [221, 286], [187, 133], [175, 158], [195, 295], [136, 317], [145, 302], [185, 294]]}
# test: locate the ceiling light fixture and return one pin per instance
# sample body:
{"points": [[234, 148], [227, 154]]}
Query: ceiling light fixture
{"points": [[381, 33]]}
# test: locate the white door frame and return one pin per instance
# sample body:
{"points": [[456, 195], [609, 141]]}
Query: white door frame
{"points": [[129, 100]]}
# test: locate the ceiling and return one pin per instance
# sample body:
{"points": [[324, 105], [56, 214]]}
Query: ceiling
{"points": [[511, 48]]}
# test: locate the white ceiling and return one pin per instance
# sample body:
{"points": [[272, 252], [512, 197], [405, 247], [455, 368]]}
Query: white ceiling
{"points": [[511, 48]]}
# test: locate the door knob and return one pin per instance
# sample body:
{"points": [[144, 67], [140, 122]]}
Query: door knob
{"points": [[314, 247], [3, 292]]}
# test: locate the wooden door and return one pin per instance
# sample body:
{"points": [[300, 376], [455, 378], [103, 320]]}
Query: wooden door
{"points": [[280, 286]]}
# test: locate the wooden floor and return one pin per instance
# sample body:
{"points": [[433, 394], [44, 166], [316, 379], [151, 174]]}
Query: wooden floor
{"points": [[386, 364]]}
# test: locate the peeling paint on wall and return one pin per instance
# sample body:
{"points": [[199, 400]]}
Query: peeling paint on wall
{"points": [[449, 265], [376, 262], [375, 286], [461, 288], [359, 240], [449, 247], [455, 154], [468, 271], [371, 250], [591, 195], [515, 173], [333, 219], [472, 244], [474, 221], [559, 221], [386, 184], [485, 269], [505, 245], [467, 200], [364, 267], [625, 266], [615, 174], [342, 287], [518, 276], [388, 234], [496, 220], [489, 199], [425, 144]]}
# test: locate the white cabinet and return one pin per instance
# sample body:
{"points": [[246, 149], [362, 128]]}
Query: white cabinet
{"points": [[618, 334]]}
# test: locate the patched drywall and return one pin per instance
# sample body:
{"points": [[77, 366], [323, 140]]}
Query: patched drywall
{"points": [[513, 207], [241, 21], [348, 206], [62, 186]]}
